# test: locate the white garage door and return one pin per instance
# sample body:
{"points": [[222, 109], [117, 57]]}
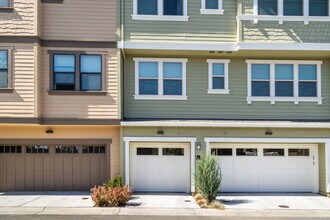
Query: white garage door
{"points": [[160, 167], [267, 168]]}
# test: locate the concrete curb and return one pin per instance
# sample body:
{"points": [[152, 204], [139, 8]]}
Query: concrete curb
{"points": [[153, 213]]}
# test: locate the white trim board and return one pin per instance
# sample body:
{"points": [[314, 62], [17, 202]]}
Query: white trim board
{"points": [[325, 141], [241, 46], [190, 140], [227, 124]]}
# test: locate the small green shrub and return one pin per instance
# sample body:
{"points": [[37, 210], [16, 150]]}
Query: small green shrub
{"points": [[208, 177], [111, 197], [117, 181]]}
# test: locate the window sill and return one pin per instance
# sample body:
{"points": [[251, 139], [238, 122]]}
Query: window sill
{"points": [[281, 19], [7, 90], [296, 101], [212, 11], [79, 93], [7, 9], [218, 91], [160, 97], [160, 18]]}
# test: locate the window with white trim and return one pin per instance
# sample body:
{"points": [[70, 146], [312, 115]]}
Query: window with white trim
{"points": [[218, 82], [280, 80], [212, 7], [167, 10], [160, 79], [4, 69]]}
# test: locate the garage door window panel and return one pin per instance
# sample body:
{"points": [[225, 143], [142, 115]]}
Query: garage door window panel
{"points": [[93, 149], [67, 149], [222, 152], [147, 151], [274, 152], [246, 152], [10, 149], [298, 152], [37, 149], [173, 151]]}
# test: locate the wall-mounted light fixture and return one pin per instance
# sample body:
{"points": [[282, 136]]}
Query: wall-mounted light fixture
{"points": [[198, 145], [160, 131], [49, 131], [268, 132]]}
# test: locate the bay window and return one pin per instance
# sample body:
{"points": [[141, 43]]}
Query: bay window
{"points": [[160, 79], [280, 80], [168, 10]]}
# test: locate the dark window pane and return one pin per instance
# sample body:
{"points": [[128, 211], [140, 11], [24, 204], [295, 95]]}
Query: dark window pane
{"points": [[212, 4], [102, 150], [260, 89], [85, 150], [3, 59], [2, 149], [46, 150], [148, 87], [90, 150], [173, 151], [7, 149], [64, 63], [246, 152], [91, 63], [58, 150], [147, 151], [267, 7], [91, 82], [61, 87], [12, 149], [96, 150], [293, 7], [318, 7], [173, 7], [75, 150], [64, 78], [147, 7], [172, 87], [28, 150], [298, 152], [222, 152], [307, 89], [273, 152], [3, 79], [218, 83], [18, 149], [284, 89]]}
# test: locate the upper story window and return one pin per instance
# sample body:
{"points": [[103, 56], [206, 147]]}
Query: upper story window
{"points": [[212, 7], [77, 72], [160, 79], [218, 76], [296, 81], [168, 10], [5, 3], [4, 73], [293, 7]]}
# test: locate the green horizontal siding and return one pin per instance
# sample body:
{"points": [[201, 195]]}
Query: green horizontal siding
{"points": [[220, 28], [232, 106]]}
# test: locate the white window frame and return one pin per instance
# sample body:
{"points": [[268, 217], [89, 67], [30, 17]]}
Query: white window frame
{"points": [[160, 95], [272, 98], [9, 68], [210, 89], [280, 17], [160, 16], [218, 11]]}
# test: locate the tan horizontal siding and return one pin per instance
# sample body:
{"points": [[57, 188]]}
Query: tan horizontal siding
{"points": [[82, 107], [200, 27], [20, 21], [20, 103], [80, 20]]}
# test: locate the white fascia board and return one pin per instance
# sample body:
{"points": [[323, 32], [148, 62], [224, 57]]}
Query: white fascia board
{"points": [[266, 140], [180, 46], [160, 139], [226, 124]]}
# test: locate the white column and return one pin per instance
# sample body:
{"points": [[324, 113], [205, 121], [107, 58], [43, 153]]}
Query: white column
{"points": [[192, 164], [127, 162]]}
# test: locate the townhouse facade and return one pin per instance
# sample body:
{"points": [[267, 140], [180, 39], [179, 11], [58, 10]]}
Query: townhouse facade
{"points": [[143, 88], [245, 80], [59, 107]]}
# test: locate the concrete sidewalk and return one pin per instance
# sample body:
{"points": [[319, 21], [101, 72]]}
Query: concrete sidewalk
{"points": [[153, 213]]}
